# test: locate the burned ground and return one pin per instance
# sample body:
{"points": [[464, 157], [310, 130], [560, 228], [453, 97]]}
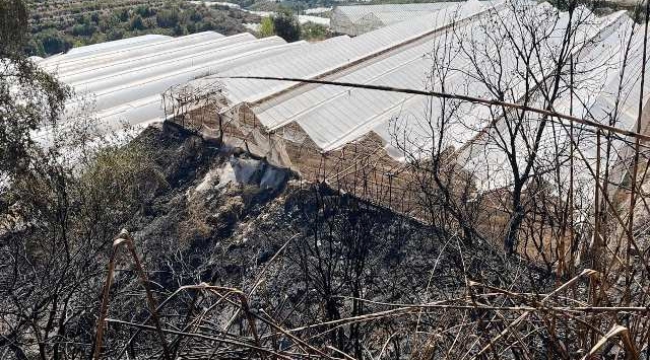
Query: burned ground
{"points": [[304, 253], [324, 265]]}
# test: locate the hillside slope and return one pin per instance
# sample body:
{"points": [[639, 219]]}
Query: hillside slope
{"points": [[231, 244], [303, 253]]}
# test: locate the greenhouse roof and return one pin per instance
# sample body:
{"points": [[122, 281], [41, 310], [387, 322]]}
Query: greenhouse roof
{"points": [[391, 13], [126, 82], [402, 56], [123, 80]]}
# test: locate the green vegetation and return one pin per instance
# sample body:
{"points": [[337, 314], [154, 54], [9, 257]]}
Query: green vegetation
{"points": [[266, 27], [314, 32], [21, 79], [287, 27], [58, 27]]}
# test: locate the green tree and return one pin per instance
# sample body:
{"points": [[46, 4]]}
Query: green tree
{"points": [[144, 11], [84, 29], [287, 27], [266, 27], [58, 213], [180, 30], [29, 97], [114, 34], [311, 31], [167, 18], [195, 15], [52, 42], [207, 25], [123, 15], [137, 23]]}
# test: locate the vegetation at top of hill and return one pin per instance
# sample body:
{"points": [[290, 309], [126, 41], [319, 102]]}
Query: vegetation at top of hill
{"points": [[283, 25], [58, 26]]}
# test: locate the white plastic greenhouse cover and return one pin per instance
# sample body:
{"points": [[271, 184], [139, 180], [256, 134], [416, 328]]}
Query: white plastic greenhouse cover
{"points": [[336, 54], [115, 45], [139, 101], [333, 116], [359, 19], [148, 84], [89, 73], [155, 65], [98, 49], [388, 12], [596, 100], [36, 59], [127, 83], [64, 64], [122, 81]]}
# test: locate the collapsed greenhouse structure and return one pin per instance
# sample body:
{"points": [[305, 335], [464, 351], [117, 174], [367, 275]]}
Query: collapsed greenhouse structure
{"points": [[366, 141]]}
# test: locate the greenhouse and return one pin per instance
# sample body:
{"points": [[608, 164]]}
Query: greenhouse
{"points": [[327, 131], [121, 81], [339, 134]]}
